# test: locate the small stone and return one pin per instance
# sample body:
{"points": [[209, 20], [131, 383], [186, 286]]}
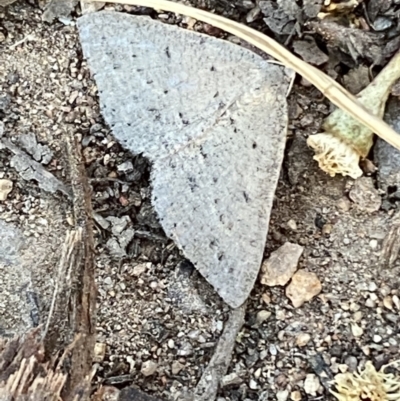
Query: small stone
{"points": [[231, 380], [6, 187], [302, 339], [282, 395], [311, 384], [372, 287], [370, 303], [351, 362], [273, 350], [376, 338], [343, 204], [365, 195], [185, 350], [373, 244], [266, 298], [171, 344], [326, 229], [281, 265], [292, 225], [101, 221], [148, 368], [303, 287], [99, 352], [91, 7], [357, 316], [118, 224], [308, 50], [262, 316], [125, 167], [253, 384], [176, 367], [295, 396], [388, 303], [356, 330], [139, 269]]}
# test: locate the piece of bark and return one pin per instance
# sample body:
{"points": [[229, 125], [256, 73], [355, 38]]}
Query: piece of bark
{"points": [[83, 300], [391, 243], [25, 374]]}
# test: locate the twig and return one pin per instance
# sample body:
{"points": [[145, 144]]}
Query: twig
{"points": [[329, 87]]}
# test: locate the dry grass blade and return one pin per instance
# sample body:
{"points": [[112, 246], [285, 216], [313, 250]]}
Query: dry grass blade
{"points": [[330, 88]]}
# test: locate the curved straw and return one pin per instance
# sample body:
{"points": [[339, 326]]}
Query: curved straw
{"points": [[329, 87]]}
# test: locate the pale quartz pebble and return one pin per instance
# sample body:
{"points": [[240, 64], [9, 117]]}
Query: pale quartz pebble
{"points": [[148, 368], [356, 330], [139, 269], [295, 395], [6, 187], [311, 384], [388, 302], [262, 316], [302, 339], [282, 395]]}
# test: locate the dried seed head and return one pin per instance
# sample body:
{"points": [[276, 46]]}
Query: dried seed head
{"points": [[367, 385], [334, 156]]}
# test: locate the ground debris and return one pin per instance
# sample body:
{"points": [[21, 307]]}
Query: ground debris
{"points": [[365, 195], [32, 170], [41, 153], [312, 7], [308, 50], [277, 21], [359, 44], [59, 9]]}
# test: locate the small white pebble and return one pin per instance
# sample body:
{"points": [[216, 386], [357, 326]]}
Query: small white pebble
{"points": [[356, 330], [253, 384], [262, 316], [282, 395], [377, 338], [373, 244], [292, 225], [171, 344], [372, 286]]}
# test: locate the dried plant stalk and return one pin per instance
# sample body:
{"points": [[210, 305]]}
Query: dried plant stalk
{"points": [[329, 87], [345, 140]]}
